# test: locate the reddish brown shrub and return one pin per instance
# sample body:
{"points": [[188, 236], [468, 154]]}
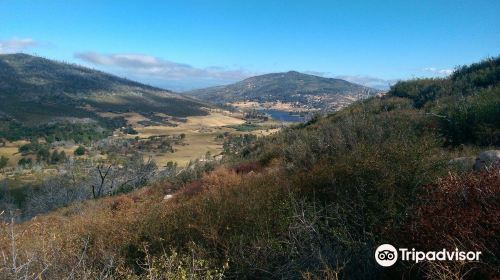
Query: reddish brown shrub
{"points": [[167, 188], [193, 188], [460, 208], [121, 203], [247, 167], [219, 178], [460, 211], [150, 192], [222, 178], [136, 198]]}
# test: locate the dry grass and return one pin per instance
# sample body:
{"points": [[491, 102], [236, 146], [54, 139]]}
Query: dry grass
{"points": [[197, 145], [58, 241], [200, 132], [192, 125], [10, 150], [132, 118], [283, 106]]}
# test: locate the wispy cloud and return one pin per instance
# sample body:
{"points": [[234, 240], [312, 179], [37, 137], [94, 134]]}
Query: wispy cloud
{"points": [[435, 70], [181, 76], [155, 67], [16, 45], [368, 81], [318, 73]]}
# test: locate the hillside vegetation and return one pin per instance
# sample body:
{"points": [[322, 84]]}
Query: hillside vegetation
{"points": [[310, 202], [35, 92]]}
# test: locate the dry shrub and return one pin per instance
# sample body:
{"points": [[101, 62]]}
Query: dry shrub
{"points": [[150, 192], [84, 245], [156, 190], [94, 240], [460, 211], [135, 198], [465, 208], [327, 273], [247, 167], [172, 265], [223, 178], [192, 188], [121, 203], [219, 178], [240, 218]]}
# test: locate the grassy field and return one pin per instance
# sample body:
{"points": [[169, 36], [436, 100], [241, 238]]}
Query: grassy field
{"points": [[10, 150], [200, 132], [200, 135], [132, 118]]}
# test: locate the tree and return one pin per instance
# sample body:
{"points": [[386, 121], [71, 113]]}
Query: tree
{"points": [[130, 130], [24, 161], [97, 189], [24, 148], [62, 156], [3, 162], [43, 154], [80, 151], [53, 193], [53, 157], [108, 179]]}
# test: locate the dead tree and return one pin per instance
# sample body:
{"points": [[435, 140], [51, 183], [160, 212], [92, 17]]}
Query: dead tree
{"points": [[103, 174]]}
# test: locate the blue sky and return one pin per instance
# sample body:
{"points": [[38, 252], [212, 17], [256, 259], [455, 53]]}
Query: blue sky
{"points": [[188, 44]]}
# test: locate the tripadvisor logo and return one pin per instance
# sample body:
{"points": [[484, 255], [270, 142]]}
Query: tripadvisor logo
{"points": [[387, 255]]}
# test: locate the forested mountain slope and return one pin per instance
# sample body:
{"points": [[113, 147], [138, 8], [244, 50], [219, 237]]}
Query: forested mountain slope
{"points": [[35, 91]]}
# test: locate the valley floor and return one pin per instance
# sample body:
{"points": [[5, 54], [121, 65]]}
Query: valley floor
{"points": [[200, 138]]}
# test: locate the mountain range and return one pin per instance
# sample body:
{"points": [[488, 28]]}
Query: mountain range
{"points": [[35, 90]]}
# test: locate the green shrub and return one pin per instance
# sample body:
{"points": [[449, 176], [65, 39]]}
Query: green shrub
{"points": [[473, 120], [24, 161], [244, 127], [26, 148], [3, 162], [421, 91], [80, 151], [130, 130]]}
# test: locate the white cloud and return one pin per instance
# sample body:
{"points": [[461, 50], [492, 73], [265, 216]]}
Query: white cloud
{"points": [[434, 70], [158, 68], [181, 76], [368, 81], [317, 73], [16, 45]]}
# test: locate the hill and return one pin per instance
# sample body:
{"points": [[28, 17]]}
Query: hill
{"points": [[37, 90], [301, 90]]}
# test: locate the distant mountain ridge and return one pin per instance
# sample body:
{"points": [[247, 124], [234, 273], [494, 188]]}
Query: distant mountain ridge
{"points": [[291, 87], [36, 90]]}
